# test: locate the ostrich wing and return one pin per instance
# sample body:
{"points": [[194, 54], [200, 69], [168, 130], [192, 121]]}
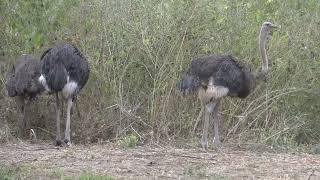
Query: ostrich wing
{"points": [[71, 59], [224, 70]]}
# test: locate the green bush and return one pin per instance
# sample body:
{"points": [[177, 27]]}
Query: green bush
{"points": [[129, 141]]}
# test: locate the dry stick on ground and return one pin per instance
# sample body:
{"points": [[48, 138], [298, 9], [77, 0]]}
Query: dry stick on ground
{"points": [[36, 149], [312, 174], [194, 157]]}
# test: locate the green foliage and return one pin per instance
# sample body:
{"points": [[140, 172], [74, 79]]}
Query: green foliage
{"points": [[138, 49], [29, 25], [129, 141], [11, 173], [60, 174], [6, 174]]}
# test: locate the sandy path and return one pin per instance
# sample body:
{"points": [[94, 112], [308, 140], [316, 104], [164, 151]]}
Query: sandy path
{"points": [[146, 162]]}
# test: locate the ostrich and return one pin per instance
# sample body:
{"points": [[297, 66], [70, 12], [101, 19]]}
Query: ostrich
{"points": [[64, 70], [22, 83], [217, 76]]}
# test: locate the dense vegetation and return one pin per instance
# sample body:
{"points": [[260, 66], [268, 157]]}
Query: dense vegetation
{"points": [[137, 50]]}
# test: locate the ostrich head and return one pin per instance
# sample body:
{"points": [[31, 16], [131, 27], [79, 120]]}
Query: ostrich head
{"points": [[266, 28], [187, 84]]}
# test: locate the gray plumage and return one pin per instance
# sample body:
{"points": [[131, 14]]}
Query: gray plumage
{"points": [[63, 61], [22, 80], [22, 83], [226, 72]]}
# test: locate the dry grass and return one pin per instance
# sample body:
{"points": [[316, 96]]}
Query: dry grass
{"points": [[161, 162]]}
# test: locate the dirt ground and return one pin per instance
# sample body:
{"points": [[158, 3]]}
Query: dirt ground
{"points": [[161, 162]]}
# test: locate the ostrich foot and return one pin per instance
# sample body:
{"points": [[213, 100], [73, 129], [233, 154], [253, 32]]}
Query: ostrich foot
{"points": [[67, 142], [204, 144], [58, 143], [217, 142]]}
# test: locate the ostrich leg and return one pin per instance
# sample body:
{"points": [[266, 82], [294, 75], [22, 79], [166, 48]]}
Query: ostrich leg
{"points": [[26, 115], [67, 138], [204, 139], [216, 122], [75, 107], [208, 110], [22, 121], [58, 137]]}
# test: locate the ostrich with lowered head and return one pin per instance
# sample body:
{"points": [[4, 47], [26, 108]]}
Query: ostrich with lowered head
{"points": [[66, 71], [217, 76], [22, 83]]}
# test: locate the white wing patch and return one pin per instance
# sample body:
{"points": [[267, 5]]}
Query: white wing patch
{"points": [[69, 89], [43, 82], [211, 94], [217, 92]]}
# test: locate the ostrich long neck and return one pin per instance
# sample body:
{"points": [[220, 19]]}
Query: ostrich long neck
{"points": [[262, 46]]}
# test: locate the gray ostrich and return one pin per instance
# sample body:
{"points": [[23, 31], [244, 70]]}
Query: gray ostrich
{"points": [[22, 83], [64, 70], [217, 76]]}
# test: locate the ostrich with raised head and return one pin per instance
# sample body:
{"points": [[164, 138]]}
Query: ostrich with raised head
{"points": [[64, 71], [22, 83], [217, 76]]}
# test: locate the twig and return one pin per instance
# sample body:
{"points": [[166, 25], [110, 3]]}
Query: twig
{"points": [[37, 149], [312, 174], [280, 132], [194, 157], [273, 98], [136, 132]]}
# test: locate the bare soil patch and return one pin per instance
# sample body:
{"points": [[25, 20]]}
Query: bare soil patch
{"points": [[161, 163]]}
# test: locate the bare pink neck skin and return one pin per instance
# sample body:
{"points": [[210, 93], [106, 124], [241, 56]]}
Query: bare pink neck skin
{"points": [[262, 46]]}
